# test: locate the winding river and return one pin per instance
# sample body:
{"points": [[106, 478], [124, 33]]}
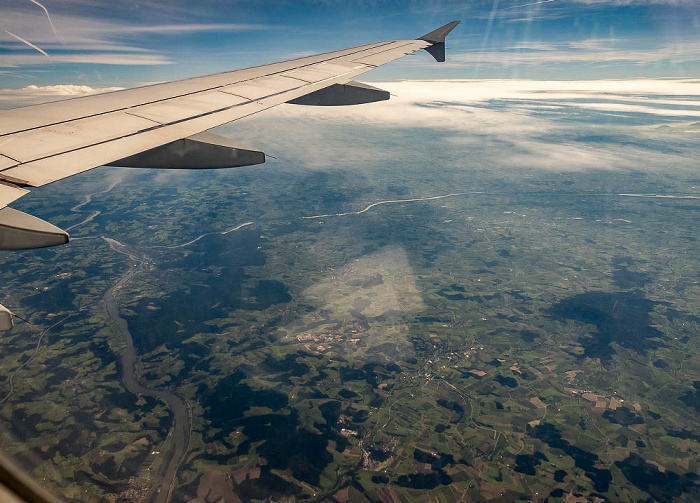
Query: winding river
{"points": [[164, 481]]}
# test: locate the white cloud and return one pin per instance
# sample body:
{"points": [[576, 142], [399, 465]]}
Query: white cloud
{"points": [[678, 3], [533, 46], [182, 28], [597, 44], [65, 90], [107, 58], [456, 100], [587, 51], [577, 156], [528, 11], [513, 124], [38, 94]]}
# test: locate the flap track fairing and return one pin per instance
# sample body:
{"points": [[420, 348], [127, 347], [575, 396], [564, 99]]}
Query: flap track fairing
{"points": [[352, 93], [20, 231], [200, 151], [6, 322]]}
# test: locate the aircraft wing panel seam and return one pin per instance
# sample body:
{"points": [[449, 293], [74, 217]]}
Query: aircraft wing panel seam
{"points": [[143, 116], [377, 53], [248, 100], [299, 79], [4, 163], [159, 126], [191, 117], [136, 133], [83, 147], [365, 46]]}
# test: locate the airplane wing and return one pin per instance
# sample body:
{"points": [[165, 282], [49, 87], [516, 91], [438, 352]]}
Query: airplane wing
{"points": [[164, 125], [161, 125]]}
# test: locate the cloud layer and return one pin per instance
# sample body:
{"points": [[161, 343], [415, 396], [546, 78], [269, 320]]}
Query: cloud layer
{"points": [[513, 124], [33, 94]]}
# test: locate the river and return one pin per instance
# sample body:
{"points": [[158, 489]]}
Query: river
{"points": [[163, 483]]}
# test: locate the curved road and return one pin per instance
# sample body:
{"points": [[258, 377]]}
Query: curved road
{"points": [[393, 201], [164, 482]]}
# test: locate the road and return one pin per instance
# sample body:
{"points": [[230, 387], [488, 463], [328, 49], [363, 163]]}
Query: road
{"points": [[164, 481], [392, 201], [223, 233]]}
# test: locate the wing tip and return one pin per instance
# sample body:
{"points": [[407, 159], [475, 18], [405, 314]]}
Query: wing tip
{"points": [[438, 36], [437, 40]]}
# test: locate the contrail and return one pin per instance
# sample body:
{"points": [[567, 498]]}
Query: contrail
{"points": [[48, 16], [27, 42]]}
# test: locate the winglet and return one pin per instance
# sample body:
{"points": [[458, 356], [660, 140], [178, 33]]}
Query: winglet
{"points": [[437, 39], [438, 36]]}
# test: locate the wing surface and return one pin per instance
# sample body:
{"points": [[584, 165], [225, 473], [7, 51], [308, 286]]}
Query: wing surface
{"points": [[44, 143]]}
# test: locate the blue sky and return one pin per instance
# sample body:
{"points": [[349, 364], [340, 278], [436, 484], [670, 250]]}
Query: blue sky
{"points": [[127, 42]]}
